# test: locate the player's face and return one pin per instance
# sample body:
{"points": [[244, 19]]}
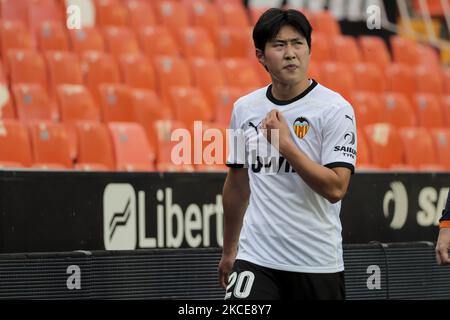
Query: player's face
{"points": [[286, 56]]}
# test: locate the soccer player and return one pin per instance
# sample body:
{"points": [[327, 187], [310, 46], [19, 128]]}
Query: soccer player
{"points": [[282, 232], [443, 242]]}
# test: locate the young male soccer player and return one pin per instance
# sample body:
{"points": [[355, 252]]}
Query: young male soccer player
{"points": [[282, 232]]}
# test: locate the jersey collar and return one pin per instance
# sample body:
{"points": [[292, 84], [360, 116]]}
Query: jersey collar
{"points": [[285, 102]]}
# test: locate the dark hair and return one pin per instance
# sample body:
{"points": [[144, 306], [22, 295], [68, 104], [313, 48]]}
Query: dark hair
{"points": [[271, 21]]}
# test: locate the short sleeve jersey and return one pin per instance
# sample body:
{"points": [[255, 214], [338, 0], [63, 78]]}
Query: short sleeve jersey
{"points": [[288, 226]]}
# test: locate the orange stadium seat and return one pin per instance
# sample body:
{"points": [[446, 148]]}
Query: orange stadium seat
{"points": [[170, 72], [225, 97], [40, 11], [148, 108], [14, 35], [207, 76], [321, 51], [363, 161], [189, 105], [441, 140], [140, 14], [137, 71], [27, 66], [314, 71], [157, 41], [239, 73], [446, 79], [170, 167], [173, 15], [233, 15], [195, 42], [76, 104], [64, 68], [86, 39], [15, 145], [204, 15], [428, 56], [398, 110], [374, 50], [116, 103], [14, 10], [7, 110], [232, 42], [164, 143], [50, 145], [428, 110], [111, 13], [345, 49], [368, 77], [324, 22], [94, 145], [337, 77], [400, 79], [445, 107], [368, 108], [428, 80], [385, 145], [99, 68], [120, 40], [52, 36], [404, 50], [418, 147], [32, 103], [131, 148], [263, 75]]}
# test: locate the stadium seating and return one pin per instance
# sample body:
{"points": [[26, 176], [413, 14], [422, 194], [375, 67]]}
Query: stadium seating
{"points": [[162, 64]]}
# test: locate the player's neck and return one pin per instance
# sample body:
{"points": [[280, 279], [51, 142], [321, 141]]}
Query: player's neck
{"points": [[282, 91]]}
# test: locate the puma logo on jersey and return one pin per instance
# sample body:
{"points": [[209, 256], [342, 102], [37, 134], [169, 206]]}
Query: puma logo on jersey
{"points": [[350, 118], [250, 124]]}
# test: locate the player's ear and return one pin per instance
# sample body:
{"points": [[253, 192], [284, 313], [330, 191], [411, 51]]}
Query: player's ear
{"points": [[260, 55]]}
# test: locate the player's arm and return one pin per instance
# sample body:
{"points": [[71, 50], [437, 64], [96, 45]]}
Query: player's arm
{"points": [[331, 183], [235, 194], [443, 241]]}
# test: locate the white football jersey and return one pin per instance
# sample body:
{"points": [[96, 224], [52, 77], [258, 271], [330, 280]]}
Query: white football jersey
{"points": [[287, 225]]}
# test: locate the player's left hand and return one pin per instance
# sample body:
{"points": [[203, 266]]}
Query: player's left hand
{"points": [[274, 120]]}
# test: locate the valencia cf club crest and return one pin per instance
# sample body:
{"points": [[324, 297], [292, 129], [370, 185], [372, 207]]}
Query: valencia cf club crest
{"points": [[301, 127]]}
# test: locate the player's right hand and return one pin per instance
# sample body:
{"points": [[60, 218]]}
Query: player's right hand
{"points": [[224, 269]]}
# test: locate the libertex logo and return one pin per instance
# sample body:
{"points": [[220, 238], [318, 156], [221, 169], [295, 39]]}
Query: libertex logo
{"points": [[119, 217]]}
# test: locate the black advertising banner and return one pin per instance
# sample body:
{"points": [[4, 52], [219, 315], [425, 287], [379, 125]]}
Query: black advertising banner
{"points": [[64, 211], [394, 207]]}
